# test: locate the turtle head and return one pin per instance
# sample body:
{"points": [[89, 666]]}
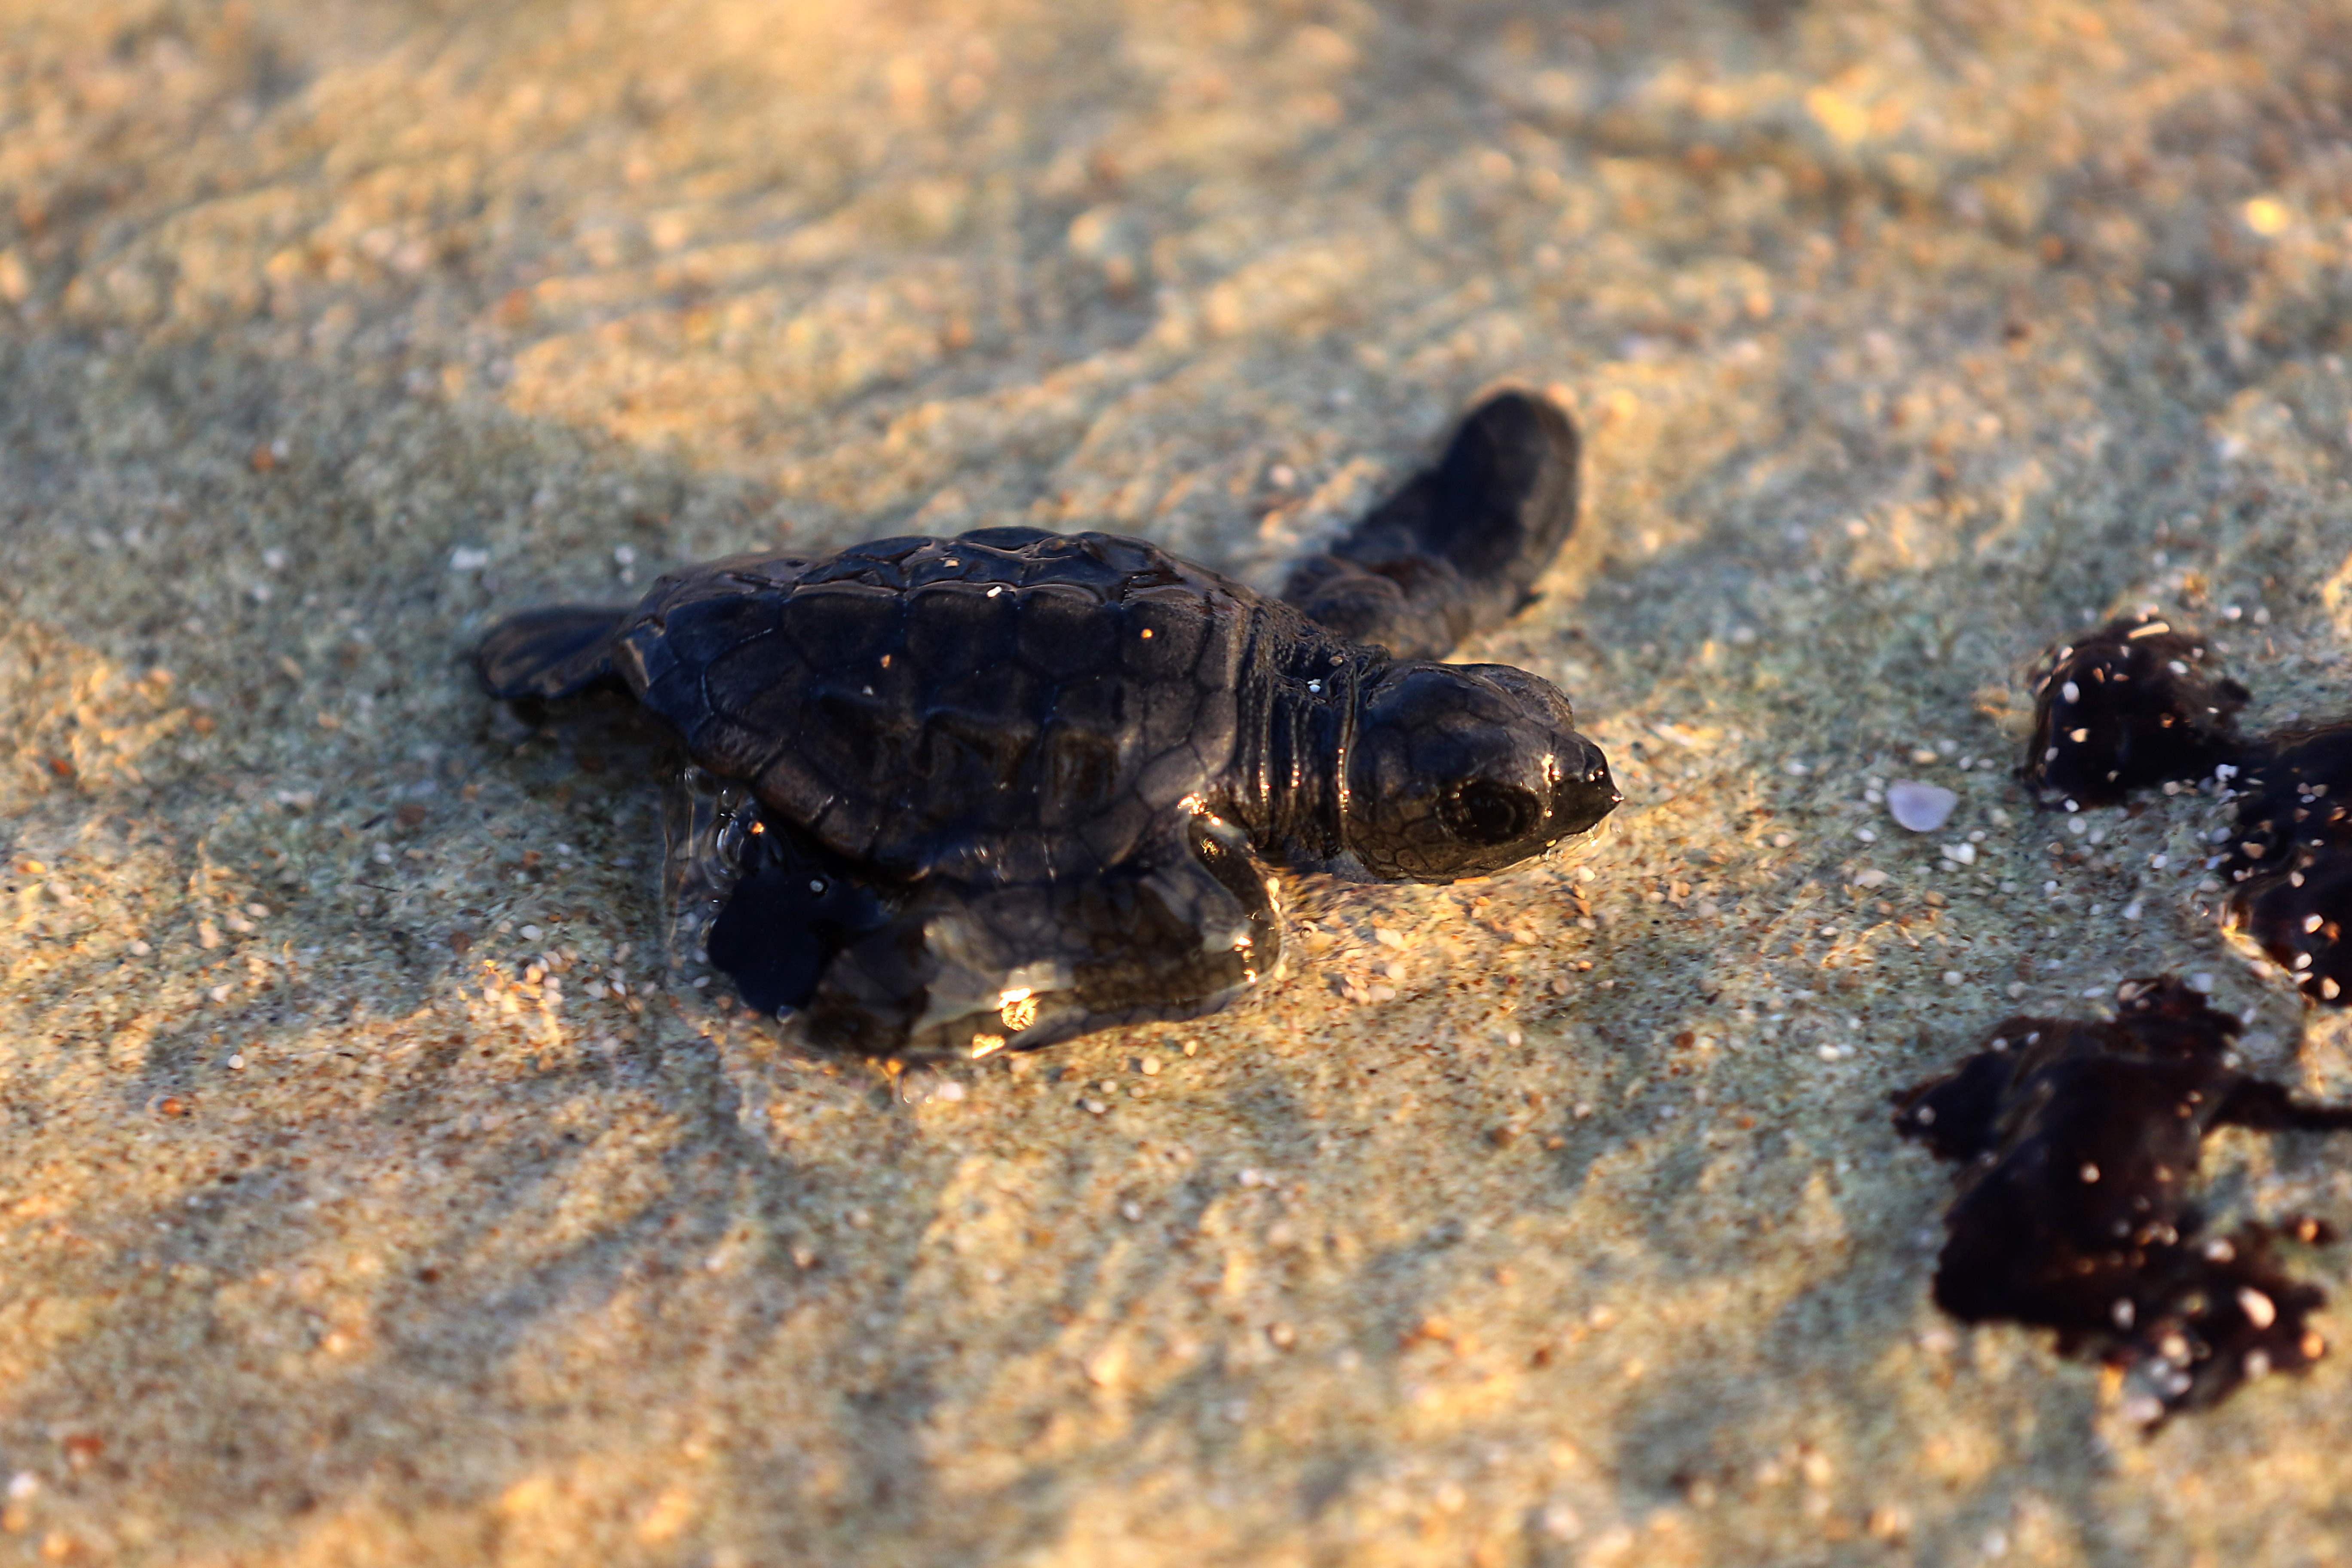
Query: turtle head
{"points": [[1460, 770]]}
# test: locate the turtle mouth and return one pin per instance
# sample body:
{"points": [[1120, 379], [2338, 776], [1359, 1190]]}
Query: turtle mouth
{"points": [[1578, 845]]}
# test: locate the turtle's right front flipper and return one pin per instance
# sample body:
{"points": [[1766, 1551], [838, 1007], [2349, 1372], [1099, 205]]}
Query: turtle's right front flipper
{"points": [[554, 652], [943, 968], [1457, 549]]}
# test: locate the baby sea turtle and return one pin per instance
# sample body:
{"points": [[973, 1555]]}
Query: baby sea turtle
{"points": [[1014, 786]]}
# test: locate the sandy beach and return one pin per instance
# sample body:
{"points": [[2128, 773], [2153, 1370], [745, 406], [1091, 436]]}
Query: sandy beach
{"points": [[373, 1189]]}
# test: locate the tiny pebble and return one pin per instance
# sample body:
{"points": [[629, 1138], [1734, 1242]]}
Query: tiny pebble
{"points": [[1920, 808]]}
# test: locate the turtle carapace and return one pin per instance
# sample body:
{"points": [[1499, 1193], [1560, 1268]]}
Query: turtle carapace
{"points": [[1006, 788]]}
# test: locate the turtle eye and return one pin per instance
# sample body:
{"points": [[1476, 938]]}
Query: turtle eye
{"points": [[1482, 812]]}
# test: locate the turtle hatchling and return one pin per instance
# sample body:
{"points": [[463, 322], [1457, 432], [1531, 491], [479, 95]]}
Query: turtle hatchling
{"points": [[950, 796]]}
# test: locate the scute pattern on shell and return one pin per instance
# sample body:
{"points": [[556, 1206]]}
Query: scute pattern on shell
{"points": [[1006, 705]]}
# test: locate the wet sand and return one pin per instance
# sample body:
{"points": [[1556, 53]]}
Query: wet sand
{"points": [[354, 1214]]}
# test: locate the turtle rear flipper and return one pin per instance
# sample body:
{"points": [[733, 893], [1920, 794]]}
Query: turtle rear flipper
{"points": [[554, 652], [1457, 549], [945, 968]]}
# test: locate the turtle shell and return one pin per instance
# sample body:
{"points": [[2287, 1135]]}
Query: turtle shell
{"points": [[1000, 707]]}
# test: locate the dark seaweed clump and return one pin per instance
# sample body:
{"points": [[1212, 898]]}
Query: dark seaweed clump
{"points": [[2290, 859], [2128, 706], [2133, 704], [2081, 1141]]}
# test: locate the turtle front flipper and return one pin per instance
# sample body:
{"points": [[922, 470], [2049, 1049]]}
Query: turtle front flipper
{"points": [[791, 910], [558, 651], [1458, 549], [946, 968]]}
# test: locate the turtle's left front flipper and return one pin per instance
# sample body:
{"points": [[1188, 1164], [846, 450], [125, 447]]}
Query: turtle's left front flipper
{"points": [[943, 968], [1458, 549]]}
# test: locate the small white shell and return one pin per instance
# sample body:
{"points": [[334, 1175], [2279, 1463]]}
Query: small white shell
{"points": [[1921, 807]]}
